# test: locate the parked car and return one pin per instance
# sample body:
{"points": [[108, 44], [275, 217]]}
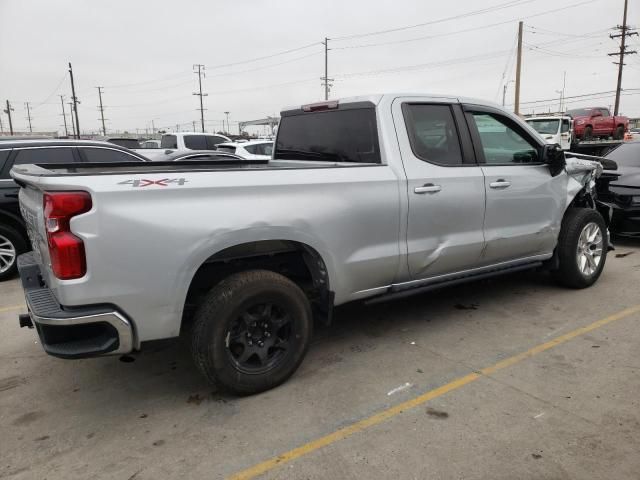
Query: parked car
{"points": [[597, 122], [376, 197], [131, 143], [554, 129], [253, 149], [149, 144], [13, 233], [200, 155], [191, 141], [623, 192]]}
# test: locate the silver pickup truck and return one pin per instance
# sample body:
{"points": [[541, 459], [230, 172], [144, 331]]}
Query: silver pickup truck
{"points": [[374, 197]]}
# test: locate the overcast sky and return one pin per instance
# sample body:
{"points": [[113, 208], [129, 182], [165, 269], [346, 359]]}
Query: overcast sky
{"points": [[142, 52]]}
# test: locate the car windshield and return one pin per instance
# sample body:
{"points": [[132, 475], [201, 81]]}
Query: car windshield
{"points": [[545, 127], [627, 154], [579, 112]]}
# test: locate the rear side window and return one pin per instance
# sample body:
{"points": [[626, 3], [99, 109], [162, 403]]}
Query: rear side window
{"points": [[432, 133], [213, 140], [337, 135], [106, 155], [195, 142], [264, 149], [44, 155], [169, 141], [4, 154]]}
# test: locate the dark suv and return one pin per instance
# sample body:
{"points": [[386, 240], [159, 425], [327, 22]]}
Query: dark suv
{"points": [[13, 235]]}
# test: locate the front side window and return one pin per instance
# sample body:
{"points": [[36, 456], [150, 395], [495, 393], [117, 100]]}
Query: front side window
{"points": [[501, 143], [195, 142], [169, 141], [349, 135], [264, 148], [566, 126], [433, 133], [107, 155], [44, 155], [627, 154]]}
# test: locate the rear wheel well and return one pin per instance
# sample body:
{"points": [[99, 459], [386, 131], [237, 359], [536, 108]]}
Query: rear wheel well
{"points": [[294, 260]]}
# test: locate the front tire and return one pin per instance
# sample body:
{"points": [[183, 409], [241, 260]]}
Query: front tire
{"points": [[619, 133], [582, 248], [251, 332], [588, 134], [12, 244]]}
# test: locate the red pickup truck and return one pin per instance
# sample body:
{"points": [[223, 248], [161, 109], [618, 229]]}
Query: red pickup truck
{"points": [[597, 122]]}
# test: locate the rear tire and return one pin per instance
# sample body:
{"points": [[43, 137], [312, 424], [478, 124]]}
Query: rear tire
{"points": [[251, 332], [619, 133], [588, 133], [12, 244], [582, 248]]}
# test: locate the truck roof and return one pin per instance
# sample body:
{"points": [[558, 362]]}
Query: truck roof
{"points": [[377, 98]]}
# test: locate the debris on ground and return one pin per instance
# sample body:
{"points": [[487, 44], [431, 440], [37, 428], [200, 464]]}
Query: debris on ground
{"points": [[399, 389], [623, 254], [471, 306], [432, 412]]}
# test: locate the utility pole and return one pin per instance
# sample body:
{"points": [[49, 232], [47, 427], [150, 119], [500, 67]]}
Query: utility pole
{"points": [[326, 79], [8, 112], [73, 125], [200, 73], [516, 108], [153, 127], [104, 129], [228, 130], [26, 105], [1, 126], [64, 116], [193, 122], [625, 32], [75, 102]]}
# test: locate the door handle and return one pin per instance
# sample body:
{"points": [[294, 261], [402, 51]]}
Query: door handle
{"points": [[500, 184], [428, 188]]}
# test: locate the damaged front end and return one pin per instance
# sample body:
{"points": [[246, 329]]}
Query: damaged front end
{"points": [[585, 174]]}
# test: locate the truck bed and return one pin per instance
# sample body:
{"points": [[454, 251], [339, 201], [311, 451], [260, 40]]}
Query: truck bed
{"points": [[118, 168]]}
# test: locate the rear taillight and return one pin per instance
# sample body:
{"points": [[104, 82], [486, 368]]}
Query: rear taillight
{"points": [[66, 251]]}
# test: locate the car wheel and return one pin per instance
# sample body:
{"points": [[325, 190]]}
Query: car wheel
{"points": [[12, 244], [582, 248], [251, 332], [619, 133], [588, 133]]}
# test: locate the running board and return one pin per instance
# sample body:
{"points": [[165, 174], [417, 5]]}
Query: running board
{"points": [[408, 291]]}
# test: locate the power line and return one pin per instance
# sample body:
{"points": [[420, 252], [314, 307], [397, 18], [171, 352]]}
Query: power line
{"points": [[291, 50], [509, 4]]}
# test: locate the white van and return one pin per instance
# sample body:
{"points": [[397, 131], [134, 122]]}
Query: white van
{"points": [[554, 129]]}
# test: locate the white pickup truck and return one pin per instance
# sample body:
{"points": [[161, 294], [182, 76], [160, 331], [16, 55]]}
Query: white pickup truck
{"points": [[183, 141], [372, 197]]}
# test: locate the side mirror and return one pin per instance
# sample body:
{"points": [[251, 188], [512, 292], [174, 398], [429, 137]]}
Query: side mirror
{"points": [[553, 155]]}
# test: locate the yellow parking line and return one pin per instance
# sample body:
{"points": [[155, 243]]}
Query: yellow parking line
{"points": [[380, 417], [13, 307]]}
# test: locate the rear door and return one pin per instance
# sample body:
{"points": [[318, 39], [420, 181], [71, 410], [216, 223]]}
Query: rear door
{"points": [[524, 202], [445, 188]]}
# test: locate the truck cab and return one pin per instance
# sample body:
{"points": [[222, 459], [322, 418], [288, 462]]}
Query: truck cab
{"points": [[555, 129]]}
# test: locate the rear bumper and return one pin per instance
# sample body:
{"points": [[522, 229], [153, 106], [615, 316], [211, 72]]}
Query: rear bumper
{"points": [[72, 332]]}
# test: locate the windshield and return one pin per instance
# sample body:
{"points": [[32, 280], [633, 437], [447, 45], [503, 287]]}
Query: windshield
{"points": [[579, 112], [545, 127], [627, 154], [349, 135]]}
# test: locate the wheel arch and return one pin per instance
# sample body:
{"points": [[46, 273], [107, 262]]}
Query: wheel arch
{"points": [[15, 222], [295, 259]]}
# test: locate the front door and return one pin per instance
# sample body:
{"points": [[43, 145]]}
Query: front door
{"points": [[524, 202], [445, 188]]}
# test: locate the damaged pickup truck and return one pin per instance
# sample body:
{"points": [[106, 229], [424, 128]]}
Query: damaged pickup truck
{"points": [[374, 197]]}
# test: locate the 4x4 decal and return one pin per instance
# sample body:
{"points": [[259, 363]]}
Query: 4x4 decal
{"points": [[143, 182]]}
